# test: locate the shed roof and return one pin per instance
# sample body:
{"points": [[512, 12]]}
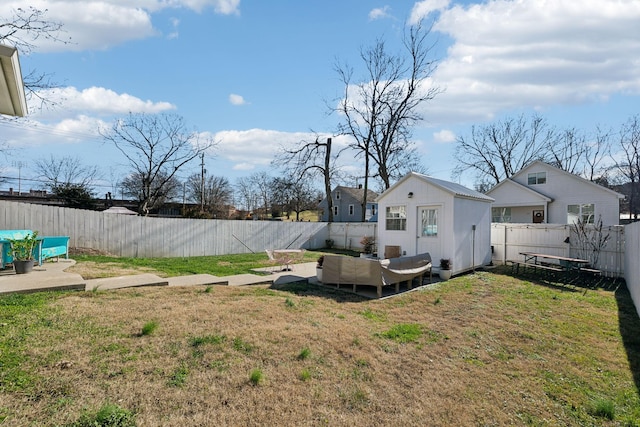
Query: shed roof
{"points": [[456, 190]]}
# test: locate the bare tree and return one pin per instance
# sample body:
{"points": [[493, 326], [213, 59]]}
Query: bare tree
{"points": [[380, 110], [499, 150], [311, 159], [255, 193], [66, 170], [162, 190], [217, 196], [595, 152], [248, 198], [69, 179], [292, 196], [566, 150], [23, 30], [157, 147], [627, 162]]}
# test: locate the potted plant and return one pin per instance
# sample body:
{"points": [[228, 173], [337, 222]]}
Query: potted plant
{"points": [[367, 242], [319, 268], [445, 268], [22, 252]]}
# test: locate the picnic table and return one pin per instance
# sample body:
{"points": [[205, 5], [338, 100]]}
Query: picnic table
{"points": [[546, 264], [566, 263]]}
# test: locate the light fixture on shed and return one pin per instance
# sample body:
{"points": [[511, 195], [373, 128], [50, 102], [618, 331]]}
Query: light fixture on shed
{"points": [[12, 98], [410, 195]]}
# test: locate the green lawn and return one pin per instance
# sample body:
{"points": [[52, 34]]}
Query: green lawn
{"points": [[483, 349]]}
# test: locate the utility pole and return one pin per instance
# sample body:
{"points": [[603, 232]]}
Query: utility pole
{"points": [[19, 165], [202, 182]]}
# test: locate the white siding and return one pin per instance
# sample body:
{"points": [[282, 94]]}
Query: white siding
{"points": [[457, 215], [423, 195], [565, 189], [472, 249]]}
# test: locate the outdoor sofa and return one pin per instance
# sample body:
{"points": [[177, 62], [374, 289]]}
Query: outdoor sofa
{"points": [[47, 247], [344, 270]]}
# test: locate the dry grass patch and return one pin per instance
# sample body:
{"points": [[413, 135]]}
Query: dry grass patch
{"points": [[494, 350], [99, 270]]}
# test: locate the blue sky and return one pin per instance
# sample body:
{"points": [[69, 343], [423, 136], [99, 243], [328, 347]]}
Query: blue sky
{"points": [[257, 74]]}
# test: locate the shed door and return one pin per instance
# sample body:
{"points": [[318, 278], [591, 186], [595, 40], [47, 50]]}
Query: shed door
{"points": [[429, 230]]}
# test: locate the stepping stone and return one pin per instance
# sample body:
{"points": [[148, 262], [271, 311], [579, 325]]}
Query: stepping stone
{"points": [[125, 282], [197, 280]]}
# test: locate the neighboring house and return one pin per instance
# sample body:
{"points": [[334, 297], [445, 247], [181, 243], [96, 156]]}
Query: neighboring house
{"points": [[541, 193], [347, 205], [421, 214]]}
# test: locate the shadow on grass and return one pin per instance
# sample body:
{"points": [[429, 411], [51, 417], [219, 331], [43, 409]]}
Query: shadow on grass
{"points": [[629, 324], [574, 283], [303, 288]]}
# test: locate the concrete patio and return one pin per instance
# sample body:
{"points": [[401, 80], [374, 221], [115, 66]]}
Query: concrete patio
{"points": [[52, 276]]}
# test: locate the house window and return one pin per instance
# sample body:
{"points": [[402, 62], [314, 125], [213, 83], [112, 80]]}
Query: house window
{"points": [[351, 210], [429, 222], [373, 210], [337, 195], [396, 218], [335, 211], [584, 212], [500, 214], [537, 178]]}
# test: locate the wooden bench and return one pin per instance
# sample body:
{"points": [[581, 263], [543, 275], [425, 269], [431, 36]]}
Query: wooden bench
{"points": [[591, 275], [48, 246], [515, 267]]}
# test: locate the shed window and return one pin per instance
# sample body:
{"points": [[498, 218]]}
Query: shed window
{"points": [[396, 218], [537, 178], [429, 222], [584, 212], [500, 214]]}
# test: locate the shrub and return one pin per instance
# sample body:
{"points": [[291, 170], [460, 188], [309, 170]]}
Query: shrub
{"points": [[368, 243], [603, 409], [108, 416], [304, 353], [149, 328], [256, 376]]}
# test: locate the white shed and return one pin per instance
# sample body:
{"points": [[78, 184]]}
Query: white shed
{"points": [[423, 214]]}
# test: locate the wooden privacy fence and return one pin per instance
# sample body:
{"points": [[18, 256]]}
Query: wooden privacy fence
{"points": [[347, 235], [508, 240], [134, 236], [632, 258]]}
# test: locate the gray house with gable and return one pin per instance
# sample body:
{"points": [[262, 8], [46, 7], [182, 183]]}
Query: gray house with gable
{"points": [[347, 205]]}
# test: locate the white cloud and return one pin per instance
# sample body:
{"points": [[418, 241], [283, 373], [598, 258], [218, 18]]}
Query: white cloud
{"points": [[223, 7], [236, 99], [423, 8], [175, 23], [444, 136], [101, 24], [97, 101], [534, 54], [379, 13], [254, 149]]}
